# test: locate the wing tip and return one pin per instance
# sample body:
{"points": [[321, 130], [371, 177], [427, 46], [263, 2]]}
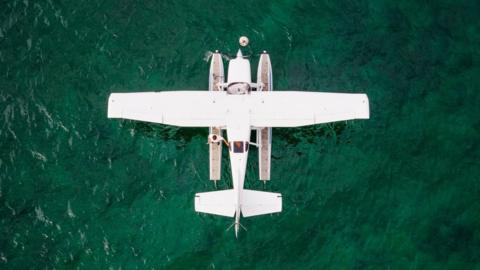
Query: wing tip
{"points": [[114, 109], [365, 109]]}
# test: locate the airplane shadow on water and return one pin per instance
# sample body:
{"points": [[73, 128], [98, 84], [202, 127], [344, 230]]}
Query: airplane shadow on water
{"points": [[292, 136], [180, 136], [310, 134]]}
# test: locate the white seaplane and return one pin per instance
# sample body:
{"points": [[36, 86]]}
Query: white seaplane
{"points": [[238, 106]]}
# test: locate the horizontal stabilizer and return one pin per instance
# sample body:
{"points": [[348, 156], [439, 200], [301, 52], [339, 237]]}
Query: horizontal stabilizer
{"points": [[256, 203], [216, 202]]}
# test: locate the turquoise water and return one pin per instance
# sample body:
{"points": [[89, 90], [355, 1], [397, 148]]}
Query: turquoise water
{"points": [[398, 191]]}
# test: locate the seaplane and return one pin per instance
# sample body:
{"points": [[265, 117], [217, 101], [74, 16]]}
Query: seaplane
{"points": [[238, 106]]}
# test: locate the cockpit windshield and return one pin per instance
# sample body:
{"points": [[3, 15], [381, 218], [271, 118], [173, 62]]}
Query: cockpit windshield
{"points": [[238, 88], [239, 146]]}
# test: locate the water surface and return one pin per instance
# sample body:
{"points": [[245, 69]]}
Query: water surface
{"points": [[399, 191]]}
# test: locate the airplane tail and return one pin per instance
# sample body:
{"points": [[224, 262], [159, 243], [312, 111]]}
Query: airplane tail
{"points": [[252, 203], [255, 203], [216, 202]]}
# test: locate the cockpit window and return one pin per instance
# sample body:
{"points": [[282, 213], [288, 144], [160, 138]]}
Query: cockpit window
{"points": [[238, 88], [238, 147]]}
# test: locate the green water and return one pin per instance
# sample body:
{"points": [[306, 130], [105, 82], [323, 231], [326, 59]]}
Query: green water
{"points": [[398, 191]]}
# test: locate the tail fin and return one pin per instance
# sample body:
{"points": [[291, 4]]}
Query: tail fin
{"points": [[256, 203], [216, 202]]}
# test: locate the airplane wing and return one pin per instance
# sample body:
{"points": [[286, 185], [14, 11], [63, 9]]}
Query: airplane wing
{"points": [[179, 108], [266, 109], [297, 108]]}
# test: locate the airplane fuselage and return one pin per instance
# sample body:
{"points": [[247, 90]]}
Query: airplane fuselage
{"points": [[238, 129]]}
